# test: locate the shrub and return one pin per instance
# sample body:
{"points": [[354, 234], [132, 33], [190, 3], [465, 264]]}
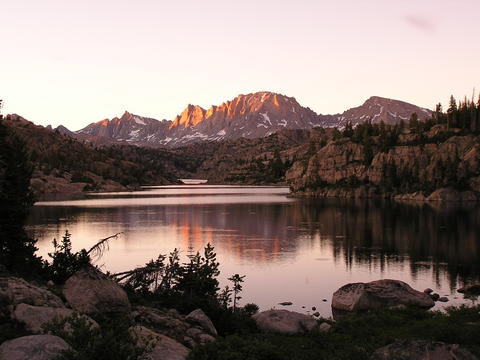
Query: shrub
{"points": [[65, 262], [112, 340]]}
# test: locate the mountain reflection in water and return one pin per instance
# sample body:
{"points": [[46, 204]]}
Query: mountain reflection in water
{"points": [[290, 249]]}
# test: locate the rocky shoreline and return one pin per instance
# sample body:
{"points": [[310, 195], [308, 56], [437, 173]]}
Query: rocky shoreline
{"points": [[366, 192], [92, 297]]}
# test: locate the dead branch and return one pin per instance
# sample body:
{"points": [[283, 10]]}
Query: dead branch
{"points": [[101, 246]]}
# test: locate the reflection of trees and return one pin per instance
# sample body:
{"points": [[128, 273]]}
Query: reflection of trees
{"points": [[371, 234]]}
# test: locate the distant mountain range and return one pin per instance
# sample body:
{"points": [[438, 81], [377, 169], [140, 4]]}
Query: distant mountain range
{"points": [[249, 116]]}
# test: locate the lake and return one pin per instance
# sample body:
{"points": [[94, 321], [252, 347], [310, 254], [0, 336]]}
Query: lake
{"points": [[289, 249]]}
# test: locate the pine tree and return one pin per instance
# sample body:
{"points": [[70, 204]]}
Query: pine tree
{"points": [[452, 112], [438, 113], [348, 131], [17, 250], [413, 123]]}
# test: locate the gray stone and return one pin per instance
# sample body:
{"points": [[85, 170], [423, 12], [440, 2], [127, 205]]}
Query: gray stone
{"points": [[284, 321], [34, 347], [324, 327], [428, 291], [205, 338], [89, 291], [199, 317], [161, 347], [200, 336], [443, 299], [35, 317], [14, 291], [421, 350], [435, 296], [193, 332], [163, 322], [172, 324], [378, 294]]}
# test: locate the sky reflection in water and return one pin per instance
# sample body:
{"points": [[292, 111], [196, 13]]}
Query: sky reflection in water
{"points": [[289, 249]]}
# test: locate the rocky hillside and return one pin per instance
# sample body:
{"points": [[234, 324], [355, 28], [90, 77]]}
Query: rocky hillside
{"points": [[66, 165], [247, 116], [434, 163], [249, 161]]}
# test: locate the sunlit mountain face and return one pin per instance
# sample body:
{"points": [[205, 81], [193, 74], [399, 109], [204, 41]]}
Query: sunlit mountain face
{"points": [[247, 116]]}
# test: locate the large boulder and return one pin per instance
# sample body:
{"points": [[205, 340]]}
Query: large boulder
{"points": [[89, 291], [35, 317], [379, 294], [198, 317], [421, 350], [159, 347], [14, 291], [284, 321], [34, 347]]}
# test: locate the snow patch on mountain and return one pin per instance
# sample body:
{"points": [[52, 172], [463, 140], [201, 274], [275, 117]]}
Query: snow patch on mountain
{"points": [[139, 121], [266, 117], [134, 133]]}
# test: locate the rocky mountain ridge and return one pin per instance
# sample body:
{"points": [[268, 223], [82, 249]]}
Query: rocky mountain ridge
{"points": [[253, 115]]}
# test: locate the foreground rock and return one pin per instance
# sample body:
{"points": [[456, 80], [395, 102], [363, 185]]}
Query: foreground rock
{"points": [[284, 321], [160, 347], [199, 317], [34, 347], [91, 292], [191, 330], [421, 350], [34, 318], [14, 291], [379, 294]]}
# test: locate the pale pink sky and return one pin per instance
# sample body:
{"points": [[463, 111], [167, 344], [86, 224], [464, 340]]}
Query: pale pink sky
{"points": [[75, 62]]}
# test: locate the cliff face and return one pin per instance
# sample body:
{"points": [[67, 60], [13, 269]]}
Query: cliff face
{"points": [[342, 167]]}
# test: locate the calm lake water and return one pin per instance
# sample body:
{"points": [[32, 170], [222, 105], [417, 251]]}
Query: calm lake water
{"points": [[289, 249]]}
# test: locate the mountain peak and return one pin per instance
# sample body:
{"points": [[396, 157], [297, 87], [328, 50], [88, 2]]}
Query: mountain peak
{"points": [[252, 115], [127, 116], [378, 109], [191, 116], [379, 100]]}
